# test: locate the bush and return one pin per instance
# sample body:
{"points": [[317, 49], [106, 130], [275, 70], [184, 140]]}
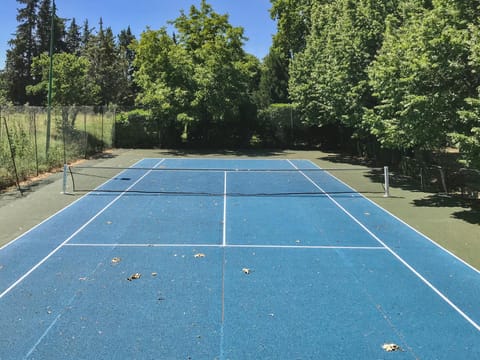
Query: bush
{"points": [[140, 128]]}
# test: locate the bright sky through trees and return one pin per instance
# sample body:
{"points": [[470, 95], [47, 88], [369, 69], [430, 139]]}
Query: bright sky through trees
{"points": [[252, 15]]}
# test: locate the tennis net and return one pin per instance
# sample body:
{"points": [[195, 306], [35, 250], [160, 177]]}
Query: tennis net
{"points": [[226, 181]]}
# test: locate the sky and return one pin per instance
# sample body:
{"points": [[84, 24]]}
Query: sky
{"points": [[252, 15]]}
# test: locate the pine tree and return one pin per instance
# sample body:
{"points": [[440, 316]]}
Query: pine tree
{"points": [[126, 56], [72, 38], [86, 36], [21, 53], [274, 79], [102, 54], [59, 35], [43, 27]]}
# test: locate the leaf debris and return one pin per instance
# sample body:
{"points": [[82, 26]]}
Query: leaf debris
{"points": [[391, 347], [247, 271], [134, 276]]}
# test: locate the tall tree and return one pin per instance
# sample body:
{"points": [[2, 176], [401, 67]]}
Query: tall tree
{"points": [[421, 78], [102, 55], [201, 79], [73, 39], [274, 79], [126, 57], [216, 49], [72, 85], [44, 19], [21, 53], [86, 35], [293, 24], [329, 78], [44, 25], [59, 33], [467, 134], [293, 19], [164, 73]]}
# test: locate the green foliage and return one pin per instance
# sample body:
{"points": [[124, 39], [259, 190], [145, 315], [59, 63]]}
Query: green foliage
{"points": [[43, 26], [467, 136], [73, 40], [71, 83], [140, 128], [293, 23], [164, 73], [85, 36], [22, 51], [420, 79], [278, 124], [104, 69], [135, 129], [27, 128], [328, 80], [126, 87], [404, 74], [200, 79], [293, 28], [273, 87]]}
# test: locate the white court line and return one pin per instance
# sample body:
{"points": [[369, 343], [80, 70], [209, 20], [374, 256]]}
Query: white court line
{"points": [[34, 347], [73, 235], [224, 236], [233, 246], [143, 245], [400, 220], [63, 209], [62, 312], [325, 247], [405, 263]]}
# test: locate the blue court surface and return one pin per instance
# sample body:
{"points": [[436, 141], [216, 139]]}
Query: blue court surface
{"points": [[233, 259]]}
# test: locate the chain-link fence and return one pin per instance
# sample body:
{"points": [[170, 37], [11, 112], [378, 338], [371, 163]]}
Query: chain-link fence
{"points": [[75, 132]]}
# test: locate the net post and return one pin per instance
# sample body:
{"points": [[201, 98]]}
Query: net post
{"points": [[386, 176], [64, 186]]}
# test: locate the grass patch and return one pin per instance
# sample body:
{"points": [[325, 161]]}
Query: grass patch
{"points": [[76, 132]]}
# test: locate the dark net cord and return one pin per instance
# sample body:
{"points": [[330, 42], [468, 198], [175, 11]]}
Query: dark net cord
{"points": [[115, 174]]}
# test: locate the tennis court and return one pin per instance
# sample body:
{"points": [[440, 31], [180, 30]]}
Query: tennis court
{"points": [[180, 258]]}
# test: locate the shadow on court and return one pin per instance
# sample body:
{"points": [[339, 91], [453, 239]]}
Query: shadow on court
{"points": [[216, 152]]}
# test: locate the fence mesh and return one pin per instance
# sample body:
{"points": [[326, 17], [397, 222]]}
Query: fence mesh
{"points": [[75, 132]]}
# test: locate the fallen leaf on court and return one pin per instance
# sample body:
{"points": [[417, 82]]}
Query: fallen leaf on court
{"points": [[391, 347], [199, 255], [134, 276], [116, 260], [246, 271]]}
